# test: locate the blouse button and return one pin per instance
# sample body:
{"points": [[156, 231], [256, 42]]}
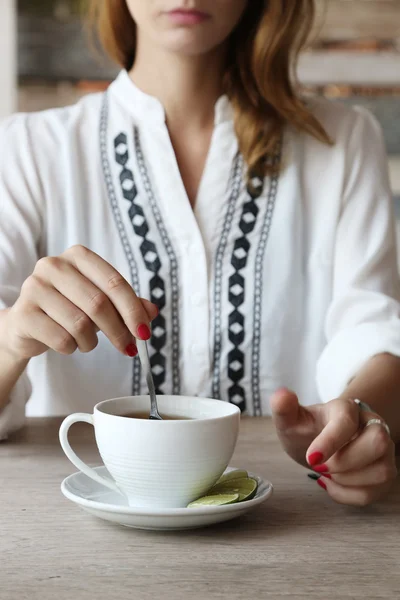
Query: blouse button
{"points": [[186, 244], [197, 349], [197, 299]]}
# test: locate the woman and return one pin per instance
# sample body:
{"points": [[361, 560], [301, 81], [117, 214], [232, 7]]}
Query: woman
{"points": [[259, 227]]}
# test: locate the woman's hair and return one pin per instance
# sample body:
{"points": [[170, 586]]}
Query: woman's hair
{"points": [[259, 76]]}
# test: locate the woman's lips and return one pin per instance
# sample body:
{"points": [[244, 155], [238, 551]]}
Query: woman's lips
{"points": [[187, 17]]}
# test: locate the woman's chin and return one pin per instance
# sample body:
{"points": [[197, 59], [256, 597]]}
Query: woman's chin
{"points": [[188, 43]]}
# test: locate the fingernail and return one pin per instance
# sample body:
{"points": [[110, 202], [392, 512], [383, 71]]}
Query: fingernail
{"points": [[321, 468], [313, 476], [144, 332], [315, 458], [158, 310], [321, 484], [131, 350]]}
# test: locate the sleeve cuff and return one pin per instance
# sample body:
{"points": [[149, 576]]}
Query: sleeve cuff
{"points": [[349, 350], [12, 417]]}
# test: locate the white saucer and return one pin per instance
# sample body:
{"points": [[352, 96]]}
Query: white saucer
{"points": [[111, 506]]}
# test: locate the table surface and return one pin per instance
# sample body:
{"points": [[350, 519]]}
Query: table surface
{"points": [[298, 545]]}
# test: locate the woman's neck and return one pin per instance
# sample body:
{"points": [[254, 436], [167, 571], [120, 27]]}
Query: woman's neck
{"points": [[187, 86]]}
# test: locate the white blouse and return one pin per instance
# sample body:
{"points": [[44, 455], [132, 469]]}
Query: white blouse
{"points": [[294, 286]]}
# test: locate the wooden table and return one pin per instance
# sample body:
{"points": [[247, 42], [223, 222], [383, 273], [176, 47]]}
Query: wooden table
{"points": [[299, 545]]}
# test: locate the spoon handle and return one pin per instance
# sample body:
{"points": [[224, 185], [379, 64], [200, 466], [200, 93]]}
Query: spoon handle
{"points": [[145, 360]]}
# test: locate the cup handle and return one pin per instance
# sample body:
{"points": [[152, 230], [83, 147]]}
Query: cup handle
{"points": [[79, 464]]}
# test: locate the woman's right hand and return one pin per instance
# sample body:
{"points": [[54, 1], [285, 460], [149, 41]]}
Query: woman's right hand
{"points": [[67, 300]]}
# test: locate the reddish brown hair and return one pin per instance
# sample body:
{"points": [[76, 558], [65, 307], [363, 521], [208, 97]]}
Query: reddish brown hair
{"points": [[263, 54]]}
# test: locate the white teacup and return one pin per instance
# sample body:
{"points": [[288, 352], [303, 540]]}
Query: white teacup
{"points": [[159, 464]]}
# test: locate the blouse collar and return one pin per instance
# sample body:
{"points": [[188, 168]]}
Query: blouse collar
{"points": [[149, 109]]}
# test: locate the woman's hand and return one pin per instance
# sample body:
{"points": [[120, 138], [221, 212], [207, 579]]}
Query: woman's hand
{"points": [[357, 463], [67, 300]]}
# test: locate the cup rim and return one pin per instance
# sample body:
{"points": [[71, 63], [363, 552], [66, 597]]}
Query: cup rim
{"points": [[232, 409]]}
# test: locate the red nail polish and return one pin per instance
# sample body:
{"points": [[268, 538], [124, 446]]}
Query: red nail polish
{"points": [[321, 484], [144, 332], [131, 350], [315, 458], [321, 469]]}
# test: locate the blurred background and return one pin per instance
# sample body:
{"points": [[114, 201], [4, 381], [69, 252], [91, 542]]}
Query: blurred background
{"points": [[354, 58]]}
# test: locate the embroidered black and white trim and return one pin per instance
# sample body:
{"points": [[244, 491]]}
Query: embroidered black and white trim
{"points": [[235, 187], [151, 260], [258, 285], [136, 388], [237, 295], [173, 265]]}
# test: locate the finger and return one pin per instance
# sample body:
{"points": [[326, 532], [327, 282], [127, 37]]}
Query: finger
{"points": [[152, 310], [44, 330], [79, 290], [342, 418], [285, 409], [115, 287], [380, 472], [69, 316], [354, 496], [372, 444]]}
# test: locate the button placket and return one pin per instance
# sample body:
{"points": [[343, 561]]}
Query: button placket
{"points": [[193, 270]]}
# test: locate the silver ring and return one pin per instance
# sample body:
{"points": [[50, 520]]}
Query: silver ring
{"points": [[366, 407], [363, 405], [378, 422]]}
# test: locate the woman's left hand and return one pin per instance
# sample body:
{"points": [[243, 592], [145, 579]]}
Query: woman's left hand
{"points": [[357, 463]]}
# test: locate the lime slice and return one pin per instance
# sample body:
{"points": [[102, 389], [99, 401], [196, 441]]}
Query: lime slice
{"points": [[245, 487], [235, 474], [215, 500]]}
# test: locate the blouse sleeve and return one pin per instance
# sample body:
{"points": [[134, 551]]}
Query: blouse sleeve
{"points": [[20, 232], [364, 317]]}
